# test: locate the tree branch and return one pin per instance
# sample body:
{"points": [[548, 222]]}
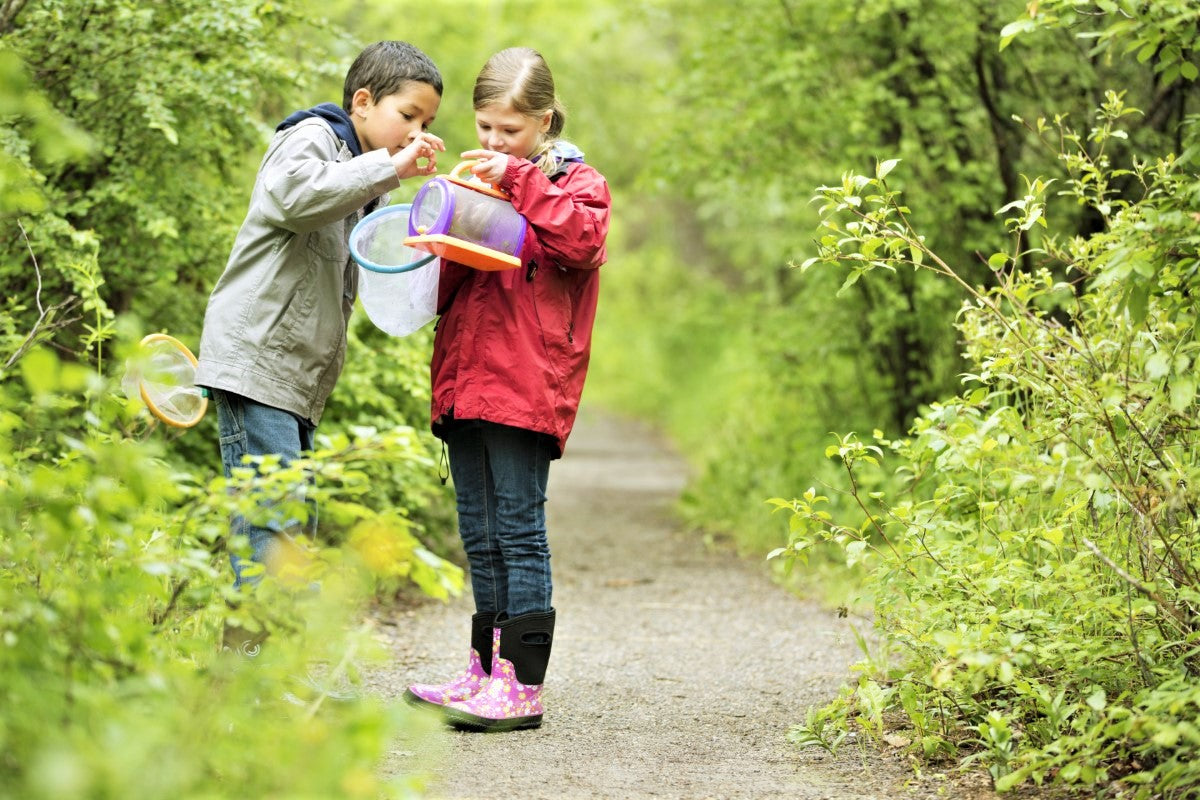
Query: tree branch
{"points": [[43, 313], [8, 14]]}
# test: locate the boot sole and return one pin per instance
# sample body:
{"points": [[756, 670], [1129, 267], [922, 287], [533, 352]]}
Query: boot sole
{"points": [[469, 722], [415, 700]]}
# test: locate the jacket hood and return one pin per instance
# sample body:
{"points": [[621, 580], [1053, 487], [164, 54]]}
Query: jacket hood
{"points": [[337, 118]]}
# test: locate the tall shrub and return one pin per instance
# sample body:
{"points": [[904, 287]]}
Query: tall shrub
{"points": [[1037, 576]]}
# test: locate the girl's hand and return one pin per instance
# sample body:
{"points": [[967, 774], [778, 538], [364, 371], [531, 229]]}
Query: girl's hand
{"points": [[491, 166], [423, 146]]}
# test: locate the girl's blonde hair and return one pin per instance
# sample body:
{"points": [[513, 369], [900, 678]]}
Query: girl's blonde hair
{"points": [[520, 78]]}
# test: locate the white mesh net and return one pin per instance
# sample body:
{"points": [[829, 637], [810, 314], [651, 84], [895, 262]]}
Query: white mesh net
{"points": [[397, 284], [400, 303]]}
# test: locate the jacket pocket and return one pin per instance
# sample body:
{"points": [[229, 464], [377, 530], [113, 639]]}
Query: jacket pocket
{"points": [[329, 244], [552, 306]]}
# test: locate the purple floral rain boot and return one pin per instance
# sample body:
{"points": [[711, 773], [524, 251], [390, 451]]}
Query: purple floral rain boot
{"points": [[512, 698], [484, 638]]}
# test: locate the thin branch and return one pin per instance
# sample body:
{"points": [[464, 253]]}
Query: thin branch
{"points": [[36, 269], [8, 14], [25, 345], [43, 313], [157, 618], [1136, 584]]}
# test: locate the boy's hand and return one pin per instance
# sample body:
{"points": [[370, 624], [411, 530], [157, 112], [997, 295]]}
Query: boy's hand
{"points": [[491, 166], [423, 146]]}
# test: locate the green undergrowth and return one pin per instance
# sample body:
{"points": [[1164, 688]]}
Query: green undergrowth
{"points": [[115, 589]]}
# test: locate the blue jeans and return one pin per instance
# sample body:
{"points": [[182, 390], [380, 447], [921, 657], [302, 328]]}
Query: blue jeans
{"points": [[247, 427], [500, 476]]}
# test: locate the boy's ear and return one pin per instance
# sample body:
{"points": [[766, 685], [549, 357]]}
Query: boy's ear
{"points": [[360, 101]]}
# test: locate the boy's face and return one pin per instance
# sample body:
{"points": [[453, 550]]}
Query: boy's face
{"points": [[393, 120], [502, 130]]}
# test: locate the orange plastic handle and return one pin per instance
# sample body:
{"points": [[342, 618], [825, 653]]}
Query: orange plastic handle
{"points": [[486, 188]]}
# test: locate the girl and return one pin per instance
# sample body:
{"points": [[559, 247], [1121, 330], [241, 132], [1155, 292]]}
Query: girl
{"points": [[509, 360]]}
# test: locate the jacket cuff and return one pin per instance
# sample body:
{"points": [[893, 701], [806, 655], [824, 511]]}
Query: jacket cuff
{"points": [[512, 171], [378, 171]]}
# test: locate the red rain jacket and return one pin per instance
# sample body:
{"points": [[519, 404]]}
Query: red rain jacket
{"points": [[512, 346]]}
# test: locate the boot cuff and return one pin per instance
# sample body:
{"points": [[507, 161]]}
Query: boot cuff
{"points": [[526, 642]]}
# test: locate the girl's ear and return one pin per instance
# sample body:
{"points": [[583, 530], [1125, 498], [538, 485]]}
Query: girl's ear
{"points": [[546, 119], [360, 102]]}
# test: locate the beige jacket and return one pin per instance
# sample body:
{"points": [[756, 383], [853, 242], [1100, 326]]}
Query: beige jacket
{"points": [[275, 326]]}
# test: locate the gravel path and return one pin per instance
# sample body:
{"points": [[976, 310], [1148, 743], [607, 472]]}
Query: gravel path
{"points": [[676, 672]]}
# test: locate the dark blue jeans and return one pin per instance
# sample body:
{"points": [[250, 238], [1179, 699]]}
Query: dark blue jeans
{"points": [[250, 428], [500, 476]]}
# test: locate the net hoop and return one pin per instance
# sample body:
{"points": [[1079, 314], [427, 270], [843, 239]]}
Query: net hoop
{"points": [[377, 218], [148, 399]]}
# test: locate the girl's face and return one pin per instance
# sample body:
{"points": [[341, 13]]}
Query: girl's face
{"points": [[503, 130], [395, 119]]}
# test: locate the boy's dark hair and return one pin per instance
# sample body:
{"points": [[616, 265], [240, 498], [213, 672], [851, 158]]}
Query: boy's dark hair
{"points": [[384, 67]]}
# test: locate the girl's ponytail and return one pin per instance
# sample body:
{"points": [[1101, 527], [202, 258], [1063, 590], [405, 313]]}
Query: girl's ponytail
{"points": [[558, 120], [544, 155]]}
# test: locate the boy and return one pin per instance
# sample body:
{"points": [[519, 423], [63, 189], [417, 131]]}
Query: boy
{"points": [[274, 337]]}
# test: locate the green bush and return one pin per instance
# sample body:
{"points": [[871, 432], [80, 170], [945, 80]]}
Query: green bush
{"points": [[114, 588], [1037, 575], [170, 96]]}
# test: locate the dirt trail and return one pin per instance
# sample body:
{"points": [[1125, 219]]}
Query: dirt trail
{"points": [[676, 672]]}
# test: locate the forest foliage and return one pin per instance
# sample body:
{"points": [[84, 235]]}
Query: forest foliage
{"points": [[1018, 240], [995, 277], [1033, 558], [996, 281]]}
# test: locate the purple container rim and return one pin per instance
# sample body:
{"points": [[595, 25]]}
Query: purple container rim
{"points": [[442, 223]]}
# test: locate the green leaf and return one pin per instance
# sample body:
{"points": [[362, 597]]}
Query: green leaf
{"points": [[851, 279], [1157, 366], [1182, 392], [40, 369], [1137, 301], [1014, 29], [885, 167]]}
